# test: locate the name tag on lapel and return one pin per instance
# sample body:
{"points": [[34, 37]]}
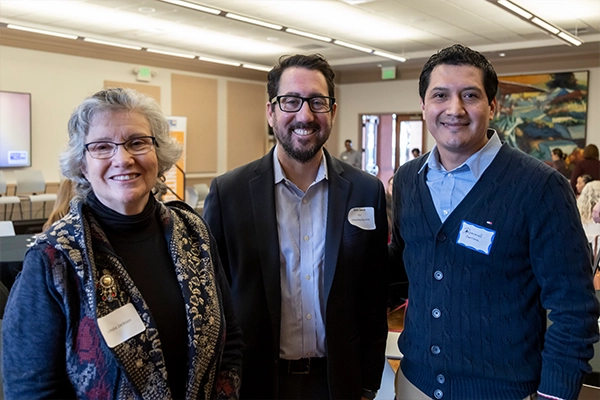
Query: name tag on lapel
{"points": [[475, 237], [363, 217], [120, 325]]}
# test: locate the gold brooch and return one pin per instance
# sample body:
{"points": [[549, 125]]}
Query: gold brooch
{"points": [[107, 286]]}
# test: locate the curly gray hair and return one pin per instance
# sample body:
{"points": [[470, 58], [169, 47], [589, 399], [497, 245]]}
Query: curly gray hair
{"points": [[590, 195], [72, 160]]}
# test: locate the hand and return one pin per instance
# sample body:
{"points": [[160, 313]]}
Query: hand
{"points": [[596, 213]]}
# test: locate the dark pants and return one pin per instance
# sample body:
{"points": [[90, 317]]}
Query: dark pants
{"points": [[304, 379]]}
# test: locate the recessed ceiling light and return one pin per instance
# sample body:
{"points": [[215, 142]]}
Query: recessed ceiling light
{"points": [[146, 10], [502, 54]]}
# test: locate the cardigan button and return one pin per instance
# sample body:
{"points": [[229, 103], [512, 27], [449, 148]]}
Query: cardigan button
{"points": [[438, 394], [436, 313], [441, 378], [441, 236], [438, 275], [436, 349]]}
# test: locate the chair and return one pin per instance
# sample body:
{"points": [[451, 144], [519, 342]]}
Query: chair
{"points": [[191, 197], [31, 185], [202, 191], [7, 228], [6, 200]]}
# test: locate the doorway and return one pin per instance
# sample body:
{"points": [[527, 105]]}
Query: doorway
{"points": [[388, 140]]}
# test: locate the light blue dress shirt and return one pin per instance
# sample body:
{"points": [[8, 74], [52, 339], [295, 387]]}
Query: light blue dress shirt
{"points": [[449, 188], [301, 223]]}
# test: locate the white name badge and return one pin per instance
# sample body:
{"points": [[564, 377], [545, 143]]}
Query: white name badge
{"points": [[475, 237], [363, 217], [120, 325]]}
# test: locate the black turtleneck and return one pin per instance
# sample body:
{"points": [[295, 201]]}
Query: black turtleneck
{"points": [[139, 241]]}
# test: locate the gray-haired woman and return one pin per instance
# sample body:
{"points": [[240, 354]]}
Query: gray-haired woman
{"points": [[124, 297]]}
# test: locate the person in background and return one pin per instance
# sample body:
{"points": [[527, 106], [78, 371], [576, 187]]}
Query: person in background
{"points": [[61, 206], [303, 241], [351, 156], [388, 202], [487, 259], [581, 182], [124, 297], [590, 196], [590, 165], [558, 162], [416, 153]]}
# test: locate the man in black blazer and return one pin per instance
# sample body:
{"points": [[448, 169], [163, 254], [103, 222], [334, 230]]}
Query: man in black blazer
{"points": [[302, 237]]}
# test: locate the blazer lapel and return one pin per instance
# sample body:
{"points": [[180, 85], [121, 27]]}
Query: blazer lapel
{"points": [[262, 197], [337, 202]]}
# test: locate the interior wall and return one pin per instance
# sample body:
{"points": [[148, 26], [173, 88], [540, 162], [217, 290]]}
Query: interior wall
{"points": [[59, 83], [402, 96], [246, 122], [196, 97]]}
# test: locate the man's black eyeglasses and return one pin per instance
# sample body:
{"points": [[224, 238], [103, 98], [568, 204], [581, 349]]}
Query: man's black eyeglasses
{"points": [[317, 104]]}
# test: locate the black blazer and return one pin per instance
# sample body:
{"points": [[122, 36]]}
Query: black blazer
{"points": [[240, 210]]}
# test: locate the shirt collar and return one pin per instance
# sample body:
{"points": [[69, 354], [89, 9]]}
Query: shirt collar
{"points": [[477, 163], [280, 174]]}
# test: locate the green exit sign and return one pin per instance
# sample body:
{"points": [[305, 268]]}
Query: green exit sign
{"points": [[388, 73], [144, 74]]}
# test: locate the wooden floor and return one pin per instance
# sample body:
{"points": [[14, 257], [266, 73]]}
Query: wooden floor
{"points": [[396, 323]]}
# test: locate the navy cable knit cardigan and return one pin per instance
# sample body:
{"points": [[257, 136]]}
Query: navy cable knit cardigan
{"points": [[476, 324]]}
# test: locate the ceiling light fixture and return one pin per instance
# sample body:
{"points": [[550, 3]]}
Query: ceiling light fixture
{"points": [[537, 21], [516, 9], [257, 67], [125, 46], [193, 6], [171, 53], [570, 38], [352, 46], [253, 21], [390, 56], [308, 35], [270, 25], [217, 61], [553, 30], [41, 31]]}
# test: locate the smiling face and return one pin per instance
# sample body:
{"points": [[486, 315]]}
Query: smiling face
{"points": [[122, 182], [301, 134], [457, 112]]}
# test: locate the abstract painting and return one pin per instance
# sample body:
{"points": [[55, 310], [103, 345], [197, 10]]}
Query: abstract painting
{"points": [[538, 113]]}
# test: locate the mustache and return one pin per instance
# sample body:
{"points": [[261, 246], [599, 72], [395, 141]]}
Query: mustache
{"points": [[303, 125]]}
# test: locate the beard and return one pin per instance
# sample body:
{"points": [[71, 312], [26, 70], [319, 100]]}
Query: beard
{"points": [[302, 152]]}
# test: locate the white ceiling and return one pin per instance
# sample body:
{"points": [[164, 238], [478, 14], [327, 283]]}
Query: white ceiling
{"points": [[411, 28]]}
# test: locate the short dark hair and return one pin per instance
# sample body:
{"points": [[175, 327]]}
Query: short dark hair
{"points": [[311, 61], [591, 152], [460, 55], [586, 178], [348, 141], [559, 153]]}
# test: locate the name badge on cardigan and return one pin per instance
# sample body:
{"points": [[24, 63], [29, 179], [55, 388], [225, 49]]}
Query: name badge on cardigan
{"points": [[120, 325], [475, 237]]}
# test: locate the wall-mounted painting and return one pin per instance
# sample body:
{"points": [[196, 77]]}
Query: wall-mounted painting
{"points": [[538, 113]]}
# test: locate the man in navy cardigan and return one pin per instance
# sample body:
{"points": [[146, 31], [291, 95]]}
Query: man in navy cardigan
{"points": [[491, 241]]}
